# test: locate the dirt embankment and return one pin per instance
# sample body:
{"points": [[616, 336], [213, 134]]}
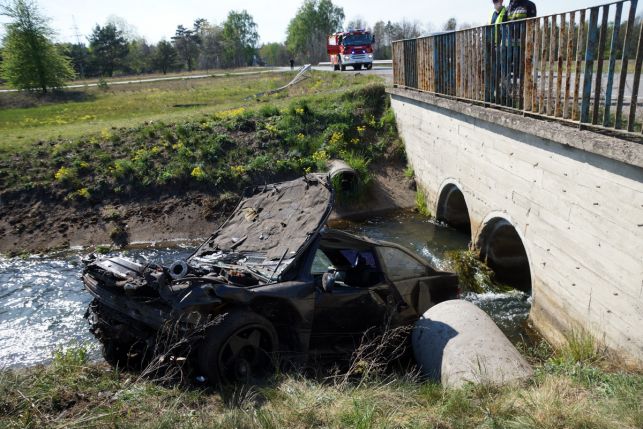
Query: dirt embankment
{"points": [[41, 223]]}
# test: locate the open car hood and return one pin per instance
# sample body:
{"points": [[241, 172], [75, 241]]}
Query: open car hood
{"points": [[271, 226]]}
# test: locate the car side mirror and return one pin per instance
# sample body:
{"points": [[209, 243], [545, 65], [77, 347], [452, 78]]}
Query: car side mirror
{"points": [[373, 39], [328, 282]]}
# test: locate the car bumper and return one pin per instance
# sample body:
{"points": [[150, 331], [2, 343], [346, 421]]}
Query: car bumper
{"points": [[357, 59], [146, 314]]}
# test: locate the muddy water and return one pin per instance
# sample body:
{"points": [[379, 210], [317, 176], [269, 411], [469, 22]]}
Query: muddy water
{"points": [[42, 301]]}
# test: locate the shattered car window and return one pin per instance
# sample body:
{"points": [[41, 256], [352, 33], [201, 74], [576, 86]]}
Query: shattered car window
{"points": [[321, 263], [399, 265]]}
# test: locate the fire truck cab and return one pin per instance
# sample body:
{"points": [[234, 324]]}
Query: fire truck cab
{"points": [[351, 48]]}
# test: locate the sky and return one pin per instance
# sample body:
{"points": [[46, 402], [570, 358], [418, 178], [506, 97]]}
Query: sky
{"points": [[157, 19]]}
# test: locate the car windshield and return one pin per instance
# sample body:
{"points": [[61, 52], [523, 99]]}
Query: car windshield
{"points": [[357, 40]]}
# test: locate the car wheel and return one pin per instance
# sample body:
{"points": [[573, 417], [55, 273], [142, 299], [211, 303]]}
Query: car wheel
{"points": [[239, 350], [369, 66], [343, 67]]}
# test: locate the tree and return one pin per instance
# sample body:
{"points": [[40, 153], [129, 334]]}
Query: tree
{"points": [[309, 29], [78, 54], [186, 42], [357, 23], [165, 57], [127, 30], [211, 37], [274, 54], [240, 39], [386, 33], [30, 59], [450, 25], [108, 48], [139, 57]]}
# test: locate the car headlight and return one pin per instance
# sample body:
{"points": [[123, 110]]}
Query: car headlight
{"points": [[370, 56]]}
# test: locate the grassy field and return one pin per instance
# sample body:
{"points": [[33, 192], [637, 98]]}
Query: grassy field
{"points": [[222, 141], [568, 390], [26, 119]]}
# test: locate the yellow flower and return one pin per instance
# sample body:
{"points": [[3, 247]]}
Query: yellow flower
{"points": [[230, 113], [299, 111], [361, 130], [271, 129], [105, 134], [337, 137], [320, 156], [198, 173], [62, 174], [83, 193], [238, 170], [355, 141], [300, 136], [307, 170]]}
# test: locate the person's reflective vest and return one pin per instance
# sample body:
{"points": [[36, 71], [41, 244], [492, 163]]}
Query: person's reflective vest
{"points": [[521, 9], [498, 18]]}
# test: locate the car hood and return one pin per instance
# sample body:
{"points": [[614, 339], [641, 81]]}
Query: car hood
{"points": [[271, 226]]}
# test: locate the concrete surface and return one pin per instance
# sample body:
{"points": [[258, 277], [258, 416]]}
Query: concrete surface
{"points": [[455, 342], [575, 199]]}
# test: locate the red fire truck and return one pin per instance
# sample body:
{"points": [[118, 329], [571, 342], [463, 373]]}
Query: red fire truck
{"points": [[351, 48]]}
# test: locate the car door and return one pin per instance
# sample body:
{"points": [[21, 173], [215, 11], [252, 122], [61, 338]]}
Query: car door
{"points": [[345, 313]]}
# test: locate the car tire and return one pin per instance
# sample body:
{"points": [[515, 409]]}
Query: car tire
{"points": [[369, 67], [239, 350], [343, 67]]}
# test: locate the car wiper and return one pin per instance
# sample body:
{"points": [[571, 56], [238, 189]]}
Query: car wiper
{"points": [[279, 264]]}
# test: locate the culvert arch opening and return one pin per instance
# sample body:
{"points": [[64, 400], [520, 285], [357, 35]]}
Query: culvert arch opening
{"points": [[453, 210], [502, 249]]}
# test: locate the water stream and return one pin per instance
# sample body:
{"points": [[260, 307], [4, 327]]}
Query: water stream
{"points": [[42, 301]]}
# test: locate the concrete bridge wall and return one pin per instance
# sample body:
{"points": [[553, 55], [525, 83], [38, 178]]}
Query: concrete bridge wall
{"points": [[575, 199]]}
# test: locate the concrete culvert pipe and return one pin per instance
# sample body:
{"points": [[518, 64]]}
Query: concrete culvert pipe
{"points": [[343, 175], [455, 342]]}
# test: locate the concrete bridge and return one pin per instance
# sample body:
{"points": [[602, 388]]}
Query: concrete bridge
{"points": [[556, 210]]}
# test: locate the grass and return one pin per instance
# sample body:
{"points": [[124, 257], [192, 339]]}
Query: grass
{"points": [[421, 204], [77, 113], [329, 116], [72, 392]]}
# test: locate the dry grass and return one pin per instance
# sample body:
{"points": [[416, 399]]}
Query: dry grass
{"points": [[563, 394]]}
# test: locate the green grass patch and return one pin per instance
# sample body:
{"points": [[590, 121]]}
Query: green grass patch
{"points": [[78, 112], [273, 138], [421, 204]]}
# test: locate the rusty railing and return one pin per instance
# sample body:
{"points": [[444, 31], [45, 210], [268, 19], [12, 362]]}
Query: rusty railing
{"points": [[581, 67]]}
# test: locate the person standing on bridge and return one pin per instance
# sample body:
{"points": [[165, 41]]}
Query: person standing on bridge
{"points": [[521, 9], [499, 14]]}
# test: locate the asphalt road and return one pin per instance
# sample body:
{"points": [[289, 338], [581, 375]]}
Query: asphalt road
{"points": [[386, 72]]}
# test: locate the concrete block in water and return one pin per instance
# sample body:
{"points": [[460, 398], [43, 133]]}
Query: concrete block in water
{"points": [[456, 342]]}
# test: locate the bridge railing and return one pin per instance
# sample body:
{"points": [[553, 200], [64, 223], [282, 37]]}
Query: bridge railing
{"points": [[581, 67]]}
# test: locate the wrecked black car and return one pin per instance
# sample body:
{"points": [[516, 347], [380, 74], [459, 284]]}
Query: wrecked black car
{"points": [[275, 279]]}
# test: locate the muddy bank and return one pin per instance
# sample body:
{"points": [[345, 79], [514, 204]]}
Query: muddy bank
{"points": [[40, 223]]}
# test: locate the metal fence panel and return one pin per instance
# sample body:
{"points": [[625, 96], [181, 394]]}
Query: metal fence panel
{"points": [[569, 66]]}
